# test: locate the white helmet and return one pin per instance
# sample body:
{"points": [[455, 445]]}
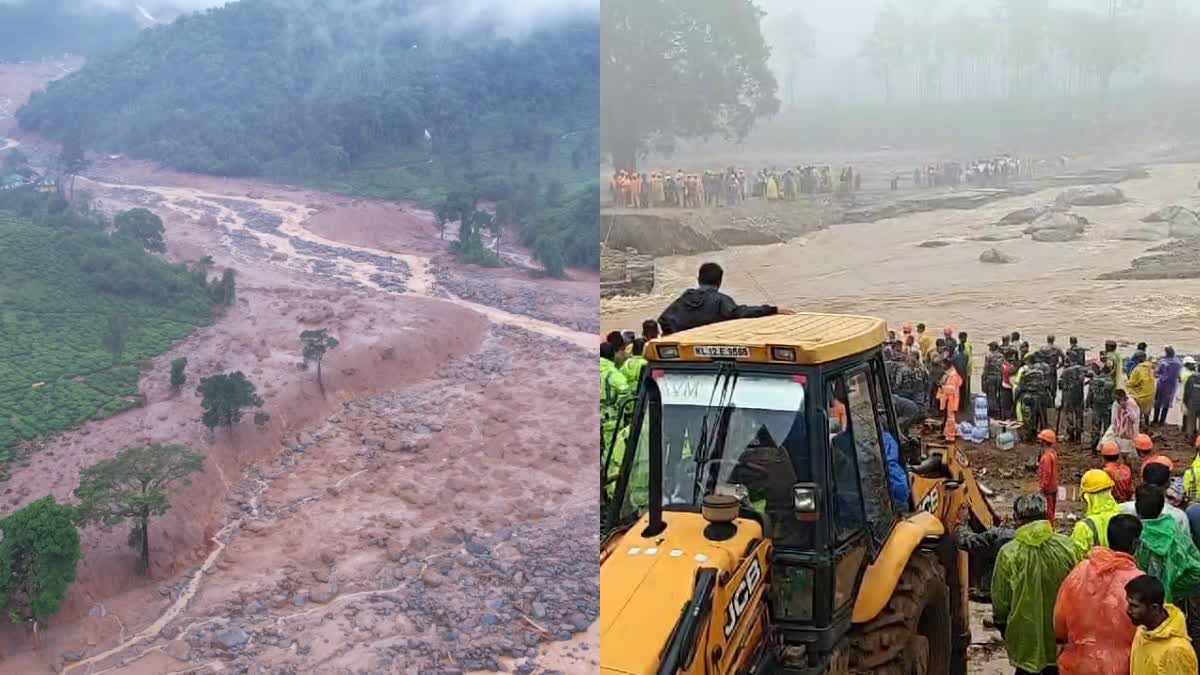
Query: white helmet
{"points": [[1189, 361]]}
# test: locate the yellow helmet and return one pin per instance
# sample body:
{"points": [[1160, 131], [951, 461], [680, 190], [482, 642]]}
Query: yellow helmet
{"points": [[1095, 480]]}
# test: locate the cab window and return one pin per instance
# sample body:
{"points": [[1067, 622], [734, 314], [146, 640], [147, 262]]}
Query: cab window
{"points": [[869, 453], [848, 513]]}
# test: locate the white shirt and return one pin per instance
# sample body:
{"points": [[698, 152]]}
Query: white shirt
{"points": [[1173, 511]]}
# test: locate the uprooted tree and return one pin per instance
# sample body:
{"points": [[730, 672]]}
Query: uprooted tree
{"points": [[39, 551], [316, 343], [224, 397], [135, 485], [680, 70]]}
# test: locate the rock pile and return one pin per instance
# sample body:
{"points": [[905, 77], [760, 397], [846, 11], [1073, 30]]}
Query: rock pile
{"points": [[1091, 195]]}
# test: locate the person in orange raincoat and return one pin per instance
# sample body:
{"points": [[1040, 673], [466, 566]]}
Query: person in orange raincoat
{"points": [[1089, 615], [948, 399], [1048, 471], [1119, 472]]}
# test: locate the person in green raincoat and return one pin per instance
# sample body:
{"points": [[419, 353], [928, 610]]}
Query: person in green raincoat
{"points": [[614, 390], [1169, 554], [634, 364], [1092, 530], [1025, 583]]}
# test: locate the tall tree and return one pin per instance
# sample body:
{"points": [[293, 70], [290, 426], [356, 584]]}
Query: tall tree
{"points": [[791, 39], [143, 226], [116, 335], [178, 376], [228, 287], [39, 551], [72, 161], [135, 485], [885, 49], [315, 344], [680, 70], [223, 398]]}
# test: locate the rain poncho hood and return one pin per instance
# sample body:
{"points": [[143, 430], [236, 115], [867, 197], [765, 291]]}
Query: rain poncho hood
{"points": [[1165, 650], [1101, 507], [1029, 571], [1141, 383], [1090, 615], [1171, 556]]}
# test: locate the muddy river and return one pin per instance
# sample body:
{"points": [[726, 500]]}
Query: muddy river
{"points": [[880, 269]]}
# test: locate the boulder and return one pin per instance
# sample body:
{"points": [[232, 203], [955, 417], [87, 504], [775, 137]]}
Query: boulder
{"points": [[1057, 220], [1185, 225], [1165, 214], [1091, 195], [1023, 216], [933, 243], [995, 256], [1147, 232]]}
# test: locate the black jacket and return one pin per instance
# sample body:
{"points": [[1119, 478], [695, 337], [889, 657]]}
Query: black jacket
{"points": [[704, 305]]}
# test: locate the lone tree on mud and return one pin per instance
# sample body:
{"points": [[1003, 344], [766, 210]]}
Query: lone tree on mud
{"points": [[316, 343], [653, 54], [178, 377], [39, 551], [143, 226], [71, 162], [224, 396], [134, 485], [223, 291], [116, 334]]}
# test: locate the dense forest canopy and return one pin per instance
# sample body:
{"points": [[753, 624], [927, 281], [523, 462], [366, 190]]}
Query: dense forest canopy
{"points": [[49, 28], [361, 96]]}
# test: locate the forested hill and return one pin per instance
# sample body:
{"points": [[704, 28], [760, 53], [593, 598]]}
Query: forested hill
{"points": [[36, 29]]}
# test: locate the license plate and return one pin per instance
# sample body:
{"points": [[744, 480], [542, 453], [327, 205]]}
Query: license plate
{"points": [[723, 352]]}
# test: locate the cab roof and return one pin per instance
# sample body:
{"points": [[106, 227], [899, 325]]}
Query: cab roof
{"points": [[816, 338]]}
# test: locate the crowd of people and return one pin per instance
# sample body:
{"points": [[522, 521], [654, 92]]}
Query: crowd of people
{"points": [[984, 172], [732, 186], [1121, 592]]}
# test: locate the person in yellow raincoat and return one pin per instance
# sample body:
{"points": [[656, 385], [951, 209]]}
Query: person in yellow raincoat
{"points": [[772, 188], [948, 399], [1141, 386], [1092, 529], [1160, 645]]}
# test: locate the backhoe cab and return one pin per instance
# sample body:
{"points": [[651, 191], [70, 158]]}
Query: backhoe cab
{"points": [[749, 525]]}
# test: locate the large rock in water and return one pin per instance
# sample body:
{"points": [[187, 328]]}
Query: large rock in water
{"points": [[1091, 195], [1023, 216], [1148, 232], [1164, 215], [1054, 226], [1185, 225], [995, 256]]}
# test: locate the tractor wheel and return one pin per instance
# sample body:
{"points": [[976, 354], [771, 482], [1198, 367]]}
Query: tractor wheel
{"points": [[911, 636]]}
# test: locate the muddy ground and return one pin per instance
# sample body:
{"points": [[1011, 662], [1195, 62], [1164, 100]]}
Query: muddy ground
{"points": [[410, 514]]}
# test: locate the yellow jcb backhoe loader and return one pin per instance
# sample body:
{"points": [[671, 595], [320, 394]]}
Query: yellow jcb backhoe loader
{"points": [[749, 525]]}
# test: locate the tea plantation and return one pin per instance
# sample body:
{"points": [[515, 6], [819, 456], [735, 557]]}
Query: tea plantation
{"points": [[58, 288]]}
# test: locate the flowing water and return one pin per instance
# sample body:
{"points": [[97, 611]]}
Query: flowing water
{"points": [[879, 269]]}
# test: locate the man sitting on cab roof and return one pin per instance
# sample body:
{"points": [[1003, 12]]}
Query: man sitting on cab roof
{"points": [[706, 304]]}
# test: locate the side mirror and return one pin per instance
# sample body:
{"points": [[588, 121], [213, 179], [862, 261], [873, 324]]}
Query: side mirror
{"points": [[806, 501]]}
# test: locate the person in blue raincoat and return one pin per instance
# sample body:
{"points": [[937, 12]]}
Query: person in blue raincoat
{"points": [[896, 471]]}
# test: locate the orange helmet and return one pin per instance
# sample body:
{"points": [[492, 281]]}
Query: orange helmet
{"points": [[1048, 436], [1143, 442], [1161, 459], [1110, 449]]}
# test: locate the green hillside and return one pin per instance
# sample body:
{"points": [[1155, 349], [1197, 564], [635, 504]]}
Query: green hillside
{"points": [[58, 287], [341, 95]]}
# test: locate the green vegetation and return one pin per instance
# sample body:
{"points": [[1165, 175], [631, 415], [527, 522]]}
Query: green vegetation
{"points": [[358, 99], [61, 278], [142, 226], [178, 377], [39, 551], [224, 396], [316, 343], [134, 485]]}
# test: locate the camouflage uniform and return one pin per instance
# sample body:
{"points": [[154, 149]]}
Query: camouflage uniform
{"points": [[912, 383], [1071, 383], [1052, 357], [1099, 400], [1077, 355], [990, 378], [936, 371], [1033, 395]]}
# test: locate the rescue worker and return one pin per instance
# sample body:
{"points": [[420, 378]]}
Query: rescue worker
{"points": [[1048, 471], [706, 304], [1116, 366], [1144, 446], [1168, 554], [1158, 475], [1029, 571], [1051, 356], [1191, 398], [634, 364], [1076, 354], [1160, 643], [983, 547], [649, 329], [1166, 376], [1096, 486], [1071, 383], [925, 342], [1191, 478], [1118, 471], [948, 400], [1089, 614], [962, 363], [1008, 348], [1141, 386], [613, 391], [990, 378], [1008, 368], [1033, 396], [1099, 400], [937, 374], [948, 341]]}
